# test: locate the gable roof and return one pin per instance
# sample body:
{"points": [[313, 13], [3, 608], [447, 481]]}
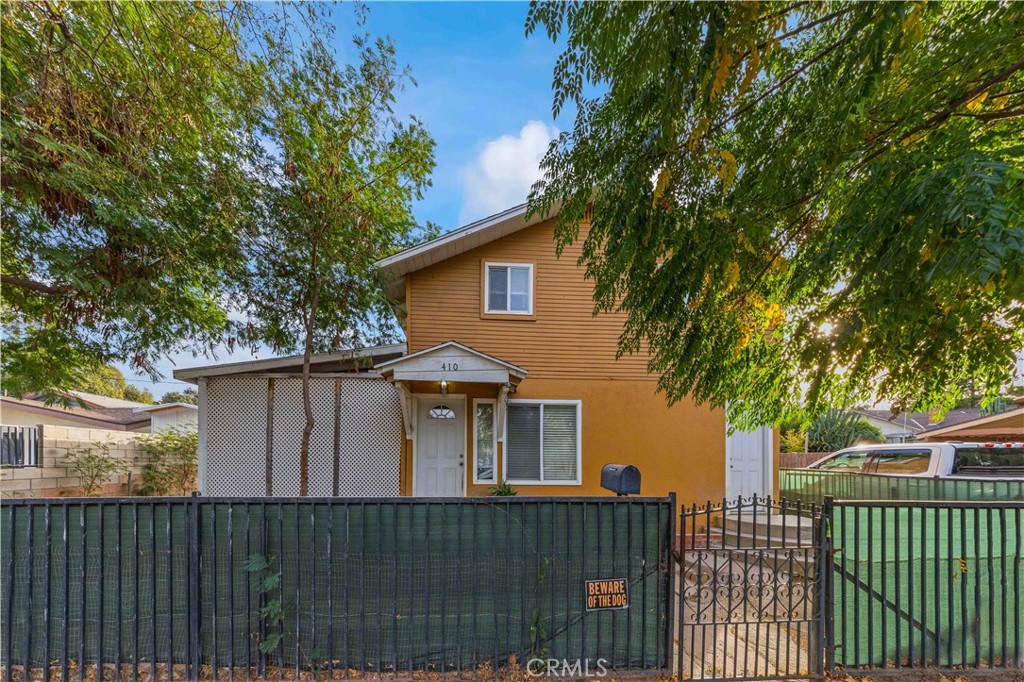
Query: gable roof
{"points": [[513, 370], [983, 426], [917, 422], [321, 362], [116, 418], [452, 243], [93, 400]]}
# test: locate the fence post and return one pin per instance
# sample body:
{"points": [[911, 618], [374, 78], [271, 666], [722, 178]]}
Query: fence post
{"points": [[826, 571], [194, 577], [670, 556]]}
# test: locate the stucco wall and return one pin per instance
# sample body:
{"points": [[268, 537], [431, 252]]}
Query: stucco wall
{"points": [[678, 449], [53, 478]]}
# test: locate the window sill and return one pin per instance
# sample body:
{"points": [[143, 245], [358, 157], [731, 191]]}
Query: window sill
{"points": [[510, 482], [484, 315]]}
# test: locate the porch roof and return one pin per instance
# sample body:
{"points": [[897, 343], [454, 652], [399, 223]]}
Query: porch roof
{"points": [[452, 361]]}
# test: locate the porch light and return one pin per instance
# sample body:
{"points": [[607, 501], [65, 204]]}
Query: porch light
{"points": [[444, 387]]}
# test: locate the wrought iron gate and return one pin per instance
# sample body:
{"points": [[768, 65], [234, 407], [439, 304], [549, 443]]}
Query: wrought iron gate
{"points": [[750, 601]]}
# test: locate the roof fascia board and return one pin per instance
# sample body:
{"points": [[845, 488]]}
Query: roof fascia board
{"points": [[454, 344], [250, 366], [453, 236]]}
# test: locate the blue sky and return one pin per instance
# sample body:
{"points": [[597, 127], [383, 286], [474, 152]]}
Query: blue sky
{"points": [[484, 92]]}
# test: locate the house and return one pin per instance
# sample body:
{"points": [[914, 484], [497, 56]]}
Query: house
{"points": [[506, 375], [170, 415], [1007, 426], [85, 410], [907, 427]]}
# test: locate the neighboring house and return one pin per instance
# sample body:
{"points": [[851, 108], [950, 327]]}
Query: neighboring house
{"points": [[959, 424], [506, 375], [86, 411], [907, 427], [1005, 426], [901, 428], [170, 415]]}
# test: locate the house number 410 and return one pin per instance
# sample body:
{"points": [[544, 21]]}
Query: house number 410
{"points": [[449, 367]]}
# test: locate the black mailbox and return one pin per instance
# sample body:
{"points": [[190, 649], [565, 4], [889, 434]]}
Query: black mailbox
{"points": [[621, 479]]}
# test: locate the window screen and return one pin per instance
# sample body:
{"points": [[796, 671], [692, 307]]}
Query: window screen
{"points": [[523, 460], [559, 449], [542, 443]]}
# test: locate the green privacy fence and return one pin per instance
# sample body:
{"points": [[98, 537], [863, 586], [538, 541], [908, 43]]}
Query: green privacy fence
{"points": [[928, 584], [390, 586], [810, 486]]}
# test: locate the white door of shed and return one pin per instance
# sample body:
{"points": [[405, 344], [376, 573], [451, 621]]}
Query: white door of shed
{"points": [[748, 463], [440, 447]]}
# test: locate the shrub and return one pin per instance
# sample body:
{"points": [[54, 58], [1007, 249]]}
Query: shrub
{"points": [[94, 466], [794, 440], [503, 489], [174, 465], [837, 429]]}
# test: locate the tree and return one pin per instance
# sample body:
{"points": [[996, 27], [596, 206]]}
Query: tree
{"points": [[815, 202], [338, 198], [129, 138], [138, 395], [188, 395], [99, 379], [88, 377]]}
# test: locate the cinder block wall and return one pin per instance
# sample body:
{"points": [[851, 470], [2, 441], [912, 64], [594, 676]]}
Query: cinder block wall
{"points": [[53, 478]]}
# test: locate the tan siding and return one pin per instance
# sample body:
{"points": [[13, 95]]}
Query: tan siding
{"points": [[562, 340]]}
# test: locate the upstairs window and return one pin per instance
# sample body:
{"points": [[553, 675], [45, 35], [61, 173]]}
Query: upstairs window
{"points": [[508, 288]]}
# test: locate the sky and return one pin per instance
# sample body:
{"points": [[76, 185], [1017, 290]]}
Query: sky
{"points": [[483, 91]]}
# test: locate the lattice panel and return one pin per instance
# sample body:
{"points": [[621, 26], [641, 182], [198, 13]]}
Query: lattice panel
{"points": [[289, 420], [236, 444], [371, 439], [370, 444]]}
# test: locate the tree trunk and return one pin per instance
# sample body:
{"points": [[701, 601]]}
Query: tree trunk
{"points": [[307, 406]]}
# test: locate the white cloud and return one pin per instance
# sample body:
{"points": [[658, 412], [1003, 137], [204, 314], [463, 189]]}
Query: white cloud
{"points": [[503, 171]]}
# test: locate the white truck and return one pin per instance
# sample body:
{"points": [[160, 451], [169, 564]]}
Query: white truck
{"points": [[929, 460]]}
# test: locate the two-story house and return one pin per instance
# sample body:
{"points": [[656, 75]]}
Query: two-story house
{"points": [[506, 375]]}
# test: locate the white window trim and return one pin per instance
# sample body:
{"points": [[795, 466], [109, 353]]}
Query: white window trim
{"points": [[579, 443], [508, 291], [494, 444]]}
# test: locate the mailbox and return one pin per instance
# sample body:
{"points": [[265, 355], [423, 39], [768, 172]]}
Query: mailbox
{"points": [[621, 479]]}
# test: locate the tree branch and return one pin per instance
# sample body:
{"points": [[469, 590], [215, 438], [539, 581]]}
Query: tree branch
{"points": [[32, 285], [947, 111]]}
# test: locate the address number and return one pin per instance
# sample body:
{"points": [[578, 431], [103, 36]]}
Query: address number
{"points": [[449, 367]]}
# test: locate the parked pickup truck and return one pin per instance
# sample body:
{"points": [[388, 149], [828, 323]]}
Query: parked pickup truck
{"points": [[929, 460]]}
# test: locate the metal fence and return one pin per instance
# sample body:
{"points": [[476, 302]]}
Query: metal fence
{"points": [[185, 588], [750, 604], [927, 584], [810, 486], [19, 446]]}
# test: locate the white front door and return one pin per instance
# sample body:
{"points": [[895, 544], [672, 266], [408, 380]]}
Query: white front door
{"points": [[748, 463], [440, 447]]}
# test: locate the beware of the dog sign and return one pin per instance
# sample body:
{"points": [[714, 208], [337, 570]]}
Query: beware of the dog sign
{"points": [[609, 593]]}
